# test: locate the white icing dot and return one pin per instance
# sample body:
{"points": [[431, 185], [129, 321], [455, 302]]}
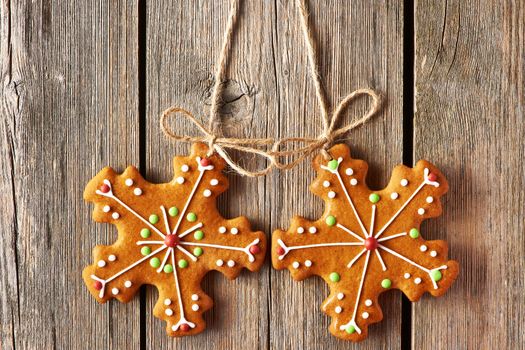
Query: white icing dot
{"points": [[206, 193], [222, 229], [365, 315], [194, 297], [338, 309], [180, 180], [106, 209], [331, 194], [423, 248], [174, 327], [430, 199], [406, 275], [404, 182], [167, 302], [234, 230], [112, 257], [312, 229], [340, 296], [326, 183], [214, 182], [101, 263], [219, 263], [129, 182], [417, 280], [308, 263], [349, 171], [115, 215], [368, 302], [114, 291], [128, 284], [300, 230], [433, 253], [421, 211], [353, 182], [394, 195], [195, 307], [185, 168], [137, 191], [295, 264], [169, 312], [231, 263]]}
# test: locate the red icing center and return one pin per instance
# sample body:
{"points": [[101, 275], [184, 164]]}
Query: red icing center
{"points": [[432, 177], [104, 188], [205, 162], [97, 285], [254, 249], [171, 241], [280, 251], [184, 327], [370, 243]]}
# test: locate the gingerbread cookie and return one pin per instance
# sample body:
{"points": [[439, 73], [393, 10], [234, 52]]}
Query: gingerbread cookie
{"points": [[367, 242], [169, 235]]}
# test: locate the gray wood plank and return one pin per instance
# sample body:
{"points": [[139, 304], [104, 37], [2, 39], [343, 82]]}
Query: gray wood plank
{"points": [[183, 41], [470, 121], [361, 45], [69, 107]]}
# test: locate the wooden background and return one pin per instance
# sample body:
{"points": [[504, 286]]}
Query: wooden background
{"points": [[83, 84]]}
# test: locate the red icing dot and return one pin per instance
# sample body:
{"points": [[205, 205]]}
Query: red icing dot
{"points": [[205, 162], [254, 249], [104, 188], [97, 285], [280, 251], [171, 240], [184, 327], [370, 243], [432, 177]]}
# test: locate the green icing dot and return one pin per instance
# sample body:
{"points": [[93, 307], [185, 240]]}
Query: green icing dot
{"points": [[145, 251], [386, 283], [334, 277], [197, 251], [191, 217], [374, 198], [333, 164], [183, 263], [168, 268], [436, 275], [154, 262], [153, 218], [414, 233], [145, 233], [198, 235], [173, 211], [350, 329], [330, 220]]}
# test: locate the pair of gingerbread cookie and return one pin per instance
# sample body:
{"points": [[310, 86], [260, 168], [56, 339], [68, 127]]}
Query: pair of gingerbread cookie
{"points": [[170, 235]]}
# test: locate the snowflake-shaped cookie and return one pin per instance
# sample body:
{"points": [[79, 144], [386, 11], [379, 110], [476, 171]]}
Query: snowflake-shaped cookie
{"points": [[367, 242], [169, 235]]}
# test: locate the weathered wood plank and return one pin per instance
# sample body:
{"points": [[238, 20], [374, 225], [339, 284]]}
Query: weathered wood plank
{"points": [[361, 45], [69, 107], [470, 78], [183, 41]]}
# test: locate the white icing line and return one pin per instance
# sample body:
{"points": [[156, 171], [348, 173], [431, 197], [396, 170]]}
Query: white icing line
{"points": [[112, 196], [192, 193], [190, 230], [372, 221], [165, 259], [246, 249], [350, 232], [149, 242], [380, 259], [191, 256], [166, 222], [182, 319], [392, 237], [351, 263]]}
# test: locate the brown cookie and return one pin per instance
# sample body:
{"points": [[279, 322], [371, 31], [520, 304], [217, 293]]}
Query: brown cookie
{"points": [[169, 235], [367, 242]]}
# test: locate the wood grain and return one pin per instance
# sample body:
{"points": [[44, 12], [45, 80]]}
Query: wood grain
{"points": [[69, 107], [470, 78]]}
